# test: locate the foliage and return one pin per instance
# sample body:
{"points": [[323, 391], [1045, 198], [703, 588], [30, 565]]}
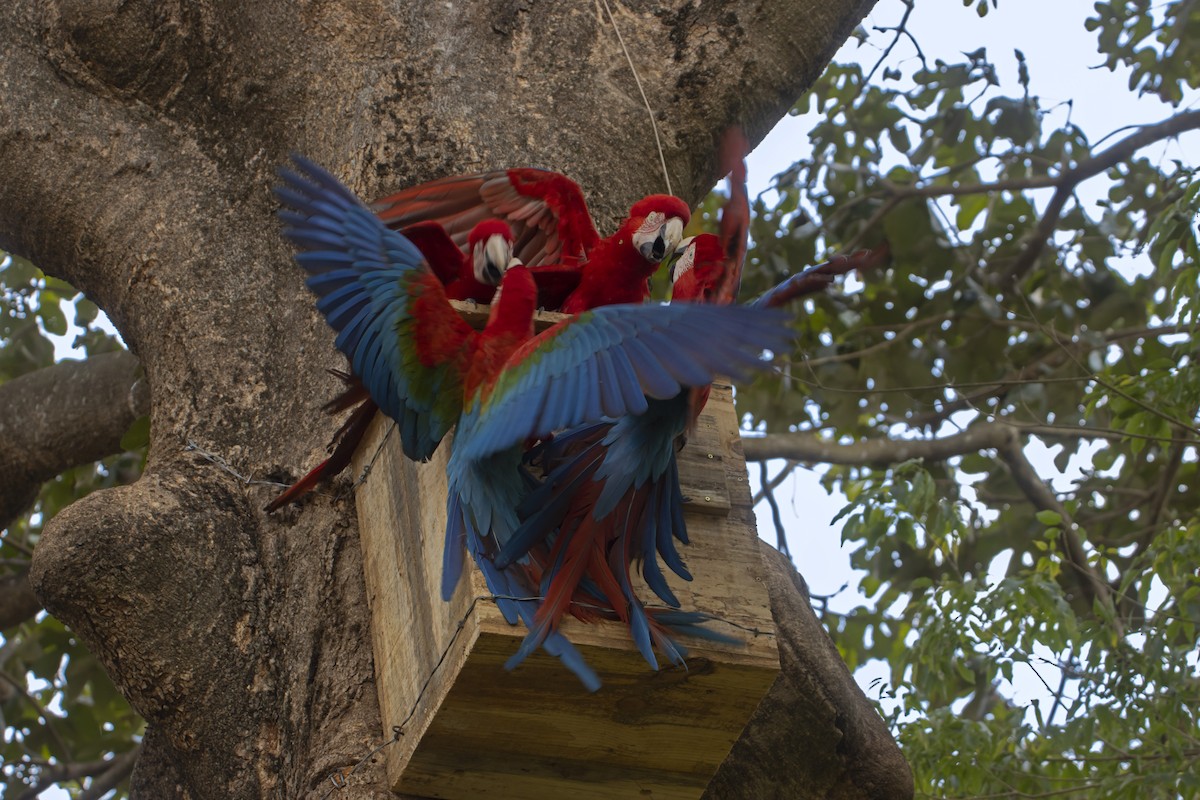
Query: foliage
{"points": [[1086, 345], [57, 704]]}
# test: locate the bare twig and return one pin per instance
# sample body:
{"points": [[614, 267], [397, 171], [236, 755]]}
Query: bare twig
{"points": [[47, 717], [901, 29], [769, 494], [774, 483]]}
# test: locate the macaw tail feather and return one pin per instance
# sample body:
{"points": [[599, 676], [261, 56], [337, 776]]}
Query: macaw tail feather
{"points": [[345, 443], [514, 591], [690, 623]]}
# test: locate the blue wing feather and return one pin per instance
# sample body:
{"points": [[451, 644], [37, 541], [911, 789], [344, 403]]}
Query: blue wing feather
{"points": [[361, 272], [542, 390]]}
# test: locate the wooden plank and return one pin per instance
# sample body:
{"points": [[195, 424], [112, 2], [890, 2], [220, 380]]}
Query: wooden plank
{"points": [[480, 730]]}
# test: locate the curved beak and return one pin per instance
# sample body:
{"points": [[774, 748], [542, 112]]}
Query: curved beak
{"points": [[491, 260]]}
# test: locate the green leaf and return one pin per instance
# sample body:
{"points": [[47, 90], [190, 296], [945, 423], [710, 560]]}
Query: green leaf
{"points": [[53, 318], [85, 312], [138, 435]]}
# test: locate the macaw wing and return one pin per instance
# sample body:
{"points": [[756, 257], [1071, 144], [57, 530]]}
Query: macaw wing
{"points": [[393, 321], [734, 228], [605, 362], [439, 249], [546, 211], [817, 278], [555, 282]]}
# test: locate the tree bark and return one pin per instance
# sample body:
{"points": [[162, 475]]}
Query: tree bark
{"points": [[72, 413], [837, 746], [140, 141], [17, 601]]}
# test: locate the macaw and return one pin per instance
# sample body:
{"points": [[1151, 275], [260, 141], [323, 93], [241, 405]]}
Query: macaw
{"points": [[427, 369], [611, 492], [473, 275], [625, 472], [573, 267], [611, 496], [466, 276], [545, 210], [554, 234]]}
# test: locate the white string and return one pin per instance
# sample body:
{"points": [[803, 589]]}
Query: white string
{"points": [[653, 125]]}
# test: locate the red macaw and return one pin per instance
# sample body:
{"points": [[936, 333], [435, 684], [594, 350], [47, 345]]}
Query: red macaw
{"points": [[545, 210], [611, 489], [471, 276], [574, 268], [611, 496], [428, 369]]}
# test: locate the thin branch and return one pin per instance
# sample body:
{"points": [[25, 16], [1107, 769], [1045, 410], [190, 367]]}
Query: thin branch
{"points": [[1066, 349], [1058, 697], [1044, 499], [1162, 496], [51, 774], [17, 601], [901, 29], [810, 448], [774, 483], [47, 717], [901, 337], [1027, 374], [780, 533], [119, 769]]}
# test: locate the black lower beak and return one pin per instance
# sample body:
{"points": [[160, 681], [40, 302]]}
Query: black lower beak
{"points": [[659, 249]]}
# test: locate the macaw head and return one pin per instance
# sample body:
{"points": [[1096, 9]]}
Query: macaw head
{"points": [[659, 221], [490, 244], [697, 269]]}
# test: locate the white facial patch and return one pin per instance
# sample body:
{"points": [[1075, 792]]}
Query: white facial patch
{"points": [[493, 253], [684, 263]]}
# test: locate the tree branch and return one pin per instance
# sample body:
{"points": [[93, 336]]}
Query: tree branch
{"points": [[873, 452], [109, 772], [118, 770], [94, 403], [1035, 242], [1003, 438], [17, 601], [1027, 479]]}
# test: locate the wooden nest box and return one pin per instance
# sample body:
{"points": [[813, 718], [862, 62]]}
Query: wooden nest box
{"points": [[472, 729]]}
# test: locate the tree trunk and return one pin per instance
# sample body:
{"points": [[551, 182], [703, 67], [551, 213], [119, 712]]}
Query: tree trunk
{"points": [[139, 141]]}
